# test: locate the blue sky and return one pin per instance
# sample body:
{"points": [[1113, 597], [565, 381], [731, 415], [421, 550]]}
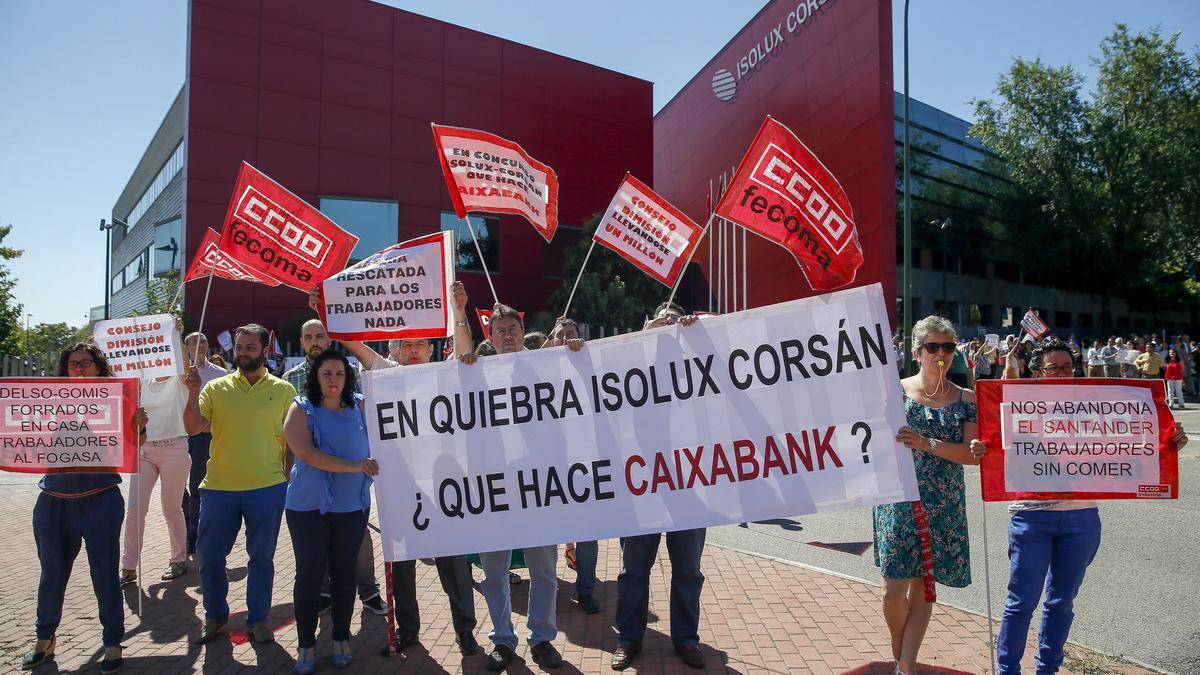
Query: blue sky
{"points": [[84, 85]]}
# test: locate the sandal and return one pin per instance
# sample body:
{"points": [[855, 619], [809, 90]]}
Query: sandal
{"points": [[128, 577], [38, 656]]}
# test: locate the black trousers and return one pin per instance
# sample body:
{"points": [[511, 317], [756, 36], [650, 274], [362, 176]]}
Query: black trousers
{"points": [[455, 574], [324, 542], [198, 449]]}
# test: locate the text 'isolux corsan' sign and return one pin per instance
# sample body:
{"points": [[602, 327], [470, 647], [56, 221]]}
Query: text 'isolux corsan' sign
{"points": [[725, 81]]}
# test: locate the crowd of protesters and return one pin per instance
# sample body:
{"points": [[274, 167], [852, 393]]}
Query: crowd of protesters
{"points": [[252, 448]]}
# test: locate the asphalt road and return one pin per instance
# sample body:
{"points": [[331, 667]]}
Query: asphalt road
{"points": [[1141, 597]]}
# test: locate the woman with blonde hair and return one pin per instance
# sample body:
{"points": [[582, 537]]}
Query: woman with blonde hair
{"points": [[941, 426]]}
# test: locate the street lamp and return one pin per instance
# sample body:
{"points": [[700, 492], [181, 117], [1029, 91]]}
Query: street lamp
{"points": [[106, 227], [907, 277]]}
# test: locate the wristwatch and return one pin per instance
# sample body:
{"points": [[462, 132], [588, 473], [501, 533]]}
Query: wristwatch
{"points": [[932, 444], [461, 324]]}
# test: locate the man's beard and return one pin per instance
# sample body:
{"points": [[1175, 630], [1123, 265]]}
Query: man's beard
{"points": [[251, 365], [314, 352]]}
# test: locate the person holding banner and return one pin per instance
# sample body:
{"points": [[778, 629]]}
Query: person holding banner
{"points": [[196, 345], [684, 547], [164, 454], [581, 556], [73, 509], [1050, 545], [941, 420], [328, 499], [245, 482], [508, 336]]}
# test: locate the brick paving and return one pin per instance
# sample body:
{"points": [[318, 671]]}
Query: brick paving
{"points": [[758, 616]]}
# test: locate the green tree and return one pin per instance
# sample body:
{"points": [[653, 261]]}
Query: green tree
{"points": [[46, 338], [10, 310], [1104, 193], [612, 291], [162, 295]]}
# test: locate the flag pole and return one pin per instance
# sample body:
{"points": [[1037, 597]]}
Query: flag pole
{"points": [[683, 270], [579, 276], [987, 589], [200, 328], [140, 524], [178, 293], [482, 262]]}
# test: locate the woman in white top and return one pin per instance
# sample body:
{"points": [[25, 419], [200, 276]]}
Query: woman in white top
{"points": [[164, 454]]}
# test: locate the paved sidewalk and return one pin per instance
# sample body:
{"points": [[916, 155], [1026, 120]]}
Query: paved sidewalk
{"points": [[759, 616]]}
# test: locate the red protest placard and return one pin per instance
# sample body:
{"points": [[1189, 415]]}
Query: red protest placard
{"points": [[276, 234], [210, 259], [485, 172], [782, 191], [485, 321], [68, 424], [1033, 325], [401, 292], [648, 231], [1094, 438]]}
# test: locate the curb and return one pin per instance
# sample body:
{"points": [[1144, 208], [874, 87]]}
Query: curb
{"points": [[847, 577]]}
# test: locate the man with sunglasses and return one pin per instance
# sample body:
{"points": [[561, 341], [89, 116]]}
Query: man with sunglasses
{"points": [[1050, 545]]}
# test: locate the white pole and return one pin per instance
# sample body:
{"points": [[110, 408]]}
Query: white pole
{"points": [[712, 209], [178, 292], [679, 281], [987, 588], [200, 329], [482, 262], [745, 287], [733, 235], [138, 499], [580, 276], [721, 266]]}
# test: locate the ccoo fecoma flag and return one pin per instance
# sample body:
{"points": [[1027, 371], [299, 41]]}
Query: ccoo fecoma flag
{"points": [[782, 191], [485, 172], [648, 231], [276, 234], [211, 260]]}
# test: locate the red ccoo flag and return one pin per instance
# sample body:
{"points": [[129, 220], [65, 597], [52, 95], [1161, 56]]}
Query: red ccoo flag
{"points": [[485, 172], [210, 259], [276, 234], [782, 191]]}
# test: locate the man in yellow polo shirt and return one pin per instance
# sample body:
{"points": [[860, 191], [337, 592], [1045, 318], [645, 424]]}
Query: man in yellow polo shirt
{"points": [[244, 412], [1149, 363]]}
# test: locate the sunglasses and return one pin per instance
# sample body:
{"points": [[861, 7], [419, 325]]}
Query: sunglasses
{"points": [[934, 347]]}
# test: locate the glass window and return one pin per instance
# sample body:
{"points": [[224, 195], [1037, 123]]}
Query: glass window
{"points": [[375, 222], [118, 281], [172, 166], [487, 229], [167, 254], [136, 268]]}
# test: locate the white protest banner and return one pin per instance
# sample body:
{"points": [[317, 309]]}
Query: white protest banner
{"points": [[225, 340], [1093, 438], [992, 340], [776, 411], [648, 231], [1128, 356], [1033, 325], [140, 346], [60, 424], [401, 292], [485, 172]]}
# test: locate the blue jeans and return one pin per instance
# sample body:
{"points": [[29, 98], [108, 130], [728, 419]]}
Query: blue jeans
{"points": [[543, 594], [586, 553], [221, 516], [60, 527], [633, 585], [1054, 549]]}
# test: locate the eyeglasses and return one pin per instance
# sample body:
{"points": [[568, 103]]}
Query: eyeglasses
{"points": [[515, 330], [1055, 370], [81, 364], [934, 347]]}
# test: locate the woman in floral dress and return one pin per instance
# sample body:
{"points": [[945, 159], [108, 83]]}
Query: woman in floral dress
{"points": [[941, 427]]}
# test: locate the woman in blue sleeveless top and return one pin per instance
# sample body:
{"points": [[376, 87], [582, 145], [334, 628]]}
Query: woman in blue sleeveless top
{"points": [[328, 498]]}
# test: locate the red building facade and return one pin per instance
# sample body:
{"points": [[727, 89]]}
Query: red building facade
{"points": [[334, 98], [824, 69]]}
